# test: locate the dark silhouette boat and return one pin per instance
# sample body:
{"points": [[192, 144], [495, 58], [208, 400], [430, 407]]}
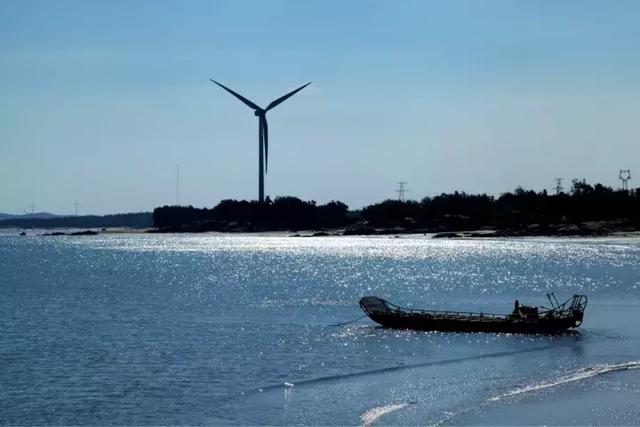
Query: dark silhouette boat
{"points": [[523, 320]]}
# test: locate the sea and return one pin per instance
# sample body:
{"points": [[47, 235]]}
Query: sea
{"points": [[211, 329]]}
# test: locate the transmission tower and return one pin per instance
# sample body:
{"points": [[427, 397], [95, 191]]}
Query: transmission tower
{"points": [[559, 188], [402, 190], [625, 176]]}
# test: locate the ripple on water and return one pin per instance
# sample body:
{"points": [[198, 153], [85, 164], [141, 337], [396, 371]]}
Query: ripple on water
{"points": [[160, 328]]}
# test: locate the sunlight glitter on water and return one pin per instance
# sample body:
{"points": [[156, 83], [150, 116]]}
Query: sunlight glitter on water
{"points": [[415, 260], [185, 329]]}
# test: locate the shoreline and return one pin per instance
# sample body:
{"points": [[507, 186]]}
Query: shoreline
{"points": [[378, 233], [611, 227]]}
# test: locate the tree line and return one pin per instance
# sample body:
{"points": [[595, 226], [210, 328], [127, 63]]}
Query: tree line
{"points": [[132, 220], [455, 211], [283, 213]]}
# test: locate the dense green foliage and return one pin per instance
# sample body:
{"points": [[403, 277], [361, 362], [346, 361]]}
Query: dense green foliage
{"points": [[281, 214], [455, 211], [584, 202]]}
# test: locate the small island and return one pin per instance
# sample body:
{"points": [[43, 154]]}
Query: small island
{"points": [[586, 210]]}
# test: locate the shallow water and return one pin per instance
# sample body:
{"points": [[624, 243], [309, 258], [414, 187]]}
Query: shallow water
{"points": [[206, 329]]}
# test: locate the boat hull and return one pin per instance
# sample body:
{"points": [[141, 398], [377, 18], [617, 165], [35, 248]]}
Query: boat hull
{"points": [[417, 322], [392, 316]]}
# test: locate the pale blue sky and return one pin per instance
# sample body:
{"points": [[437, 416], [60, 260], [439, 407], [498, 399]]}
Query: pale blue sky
{"points": [[100, 100]]}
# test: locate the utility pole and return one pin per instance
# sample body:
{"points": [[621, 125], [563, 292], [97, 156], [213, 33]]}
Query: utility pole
{"points": [[625, 176], [559, 188], [402, 190], [177, 184]]}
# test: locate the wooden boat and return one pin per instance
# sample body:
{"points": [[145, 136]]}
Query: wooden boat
{"points": [[523, 320]]}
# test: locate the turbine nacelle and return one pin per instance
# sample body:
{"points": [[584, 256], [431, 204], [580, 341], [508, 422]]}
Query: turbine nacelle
{"points": [[259, 113]]}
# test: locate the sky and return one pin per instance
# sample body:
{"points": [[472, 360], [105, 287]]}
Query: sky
{"points": [[100, 100]]}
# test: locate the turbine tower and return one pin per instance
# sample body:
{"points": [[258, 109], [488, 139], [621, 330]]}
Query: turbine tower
{"points": [[263, 130]]}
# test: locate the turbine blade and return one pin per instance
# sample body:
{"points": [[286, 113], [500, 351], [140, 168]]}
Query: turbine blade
{"points": [[237, 95], [283, 98], [265, 139]]}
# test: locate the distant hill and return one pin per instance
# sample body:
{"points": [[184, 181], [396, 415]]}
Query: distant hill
{"points": [[35, 215], [132, 220]]}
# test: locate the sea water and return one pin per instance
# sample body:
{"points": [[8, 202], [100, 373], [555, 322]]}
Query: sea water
{"points": [[229, 329]]}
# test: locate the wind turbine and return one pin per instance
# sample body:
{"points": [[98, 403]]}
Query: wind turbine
{"points": [[263, 130]]}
